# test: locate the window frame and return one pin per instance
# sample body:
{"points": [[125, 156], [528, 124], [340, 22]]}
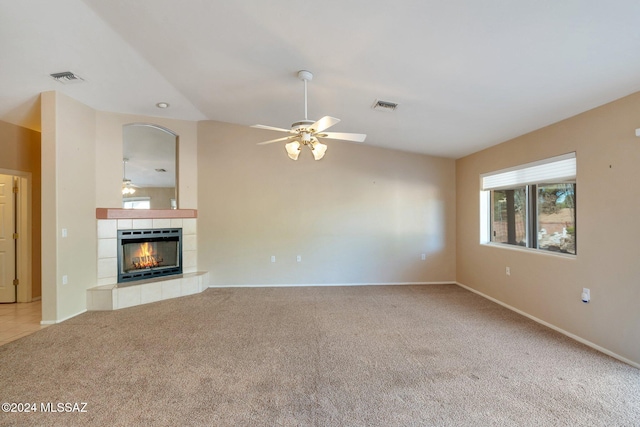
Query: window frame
{"points": [[134, 200], [552, 171], [512, 229]]}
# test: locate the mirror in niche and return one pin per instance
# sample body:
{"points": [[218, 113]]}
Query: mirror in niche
{"points": [[149, 167]]}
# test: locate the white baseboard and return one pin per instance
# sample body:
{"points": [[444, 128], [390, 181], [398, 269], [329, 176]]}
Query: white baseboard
{"points": [[53, 322], [555, 328], [300, 285]]}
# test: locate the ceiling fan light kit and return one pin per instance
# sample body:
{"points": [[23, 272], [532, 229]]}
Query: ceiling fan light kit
{"points": [[318, 149], [127, 186], [293, 150], [306, 132]]}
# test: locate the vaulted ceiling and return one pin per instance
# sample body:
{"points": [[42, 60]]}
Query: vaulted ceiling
{"points": [[467, 74]]}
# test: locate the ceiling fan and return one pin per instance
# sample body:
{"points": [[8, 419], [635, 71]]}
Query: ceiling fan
{"points": [[306, 132]]}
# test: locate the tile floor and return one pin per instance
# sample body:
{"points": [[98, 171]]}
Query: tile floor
{"points": [[19, 320]]}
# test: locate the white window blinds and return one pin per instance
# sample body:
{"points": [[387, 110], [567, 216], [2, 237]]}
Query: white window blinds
{"points": [[553, 170]]}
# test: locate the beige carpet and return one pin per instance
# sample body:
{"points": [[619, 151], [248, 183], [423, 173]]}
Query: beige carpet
{"points": [[352, 356]]}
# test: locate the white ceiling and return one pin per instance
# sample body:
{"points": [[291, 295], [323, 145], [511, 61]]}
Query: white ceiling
{"points": [[467, 74]]}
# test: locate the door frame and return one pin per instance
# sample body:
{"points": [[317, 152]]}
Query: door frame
{"points": [[23, 225]]}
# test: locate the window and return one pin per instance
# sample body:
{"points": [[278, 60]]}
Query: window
{"points": [[556, 225], [532, 206], [509, 222], [136, 203]]}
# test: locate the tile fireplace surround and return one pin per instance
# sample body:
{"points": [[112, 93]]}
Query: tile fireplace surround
{"points": [[110, 295]]}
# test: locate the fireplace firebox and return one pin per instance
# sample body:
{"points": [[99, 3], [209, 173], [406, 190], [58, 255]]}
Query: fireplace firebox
{"points": [[149, 253]]}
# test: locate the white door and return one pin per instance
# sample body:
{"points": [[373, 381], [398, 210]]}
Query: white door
{"points": [[7, 244]]}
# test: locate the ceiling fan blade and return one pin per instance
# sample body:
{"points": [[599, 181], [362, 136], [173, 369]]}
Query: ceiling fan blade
{"points": [[324, 123], [355, 137], [276, 140], [271, 128]]}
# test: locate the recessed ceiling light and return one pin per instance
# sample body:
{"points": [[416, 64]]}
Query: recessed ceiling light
{"points": [[162, 105]]}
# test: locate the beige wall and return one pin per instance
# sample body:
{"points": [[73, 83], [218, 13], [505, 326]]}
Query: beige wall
{"points": [[360, 215], [68, 202], [548, 287], [20, 151], [109, 155]]}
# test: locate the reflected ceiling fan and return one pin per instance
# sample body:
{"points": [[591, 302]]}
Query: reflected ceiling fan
{"points": [[306, 132], [127, 186]]}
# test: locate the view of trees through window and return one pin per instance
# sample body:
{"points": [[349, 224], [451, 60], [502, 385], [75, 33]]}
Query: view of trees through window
{"points": [[557, 217], [510, 216], [539, 216]]}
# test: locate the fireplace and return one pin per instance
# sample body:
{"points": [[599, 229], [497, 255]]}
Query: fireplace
{"points": [[149, 253]]}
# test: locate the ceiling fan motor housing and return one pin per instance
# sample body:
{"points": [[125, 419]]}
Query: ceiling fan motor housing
{"points": [[305, 75], [301, 125]]}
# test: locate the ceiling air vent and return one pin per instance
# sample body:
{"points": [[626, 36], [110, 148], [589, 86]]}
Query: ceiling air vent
{"points": [[66, 77], [384, 105]]}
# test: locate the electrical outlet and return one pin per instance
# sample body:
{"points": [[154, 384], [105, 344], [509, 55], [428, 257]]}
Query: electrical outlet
{"points": [[586, 295], [65, 279], [273, 258], [508, 271], [299, 258], [424, 256]]}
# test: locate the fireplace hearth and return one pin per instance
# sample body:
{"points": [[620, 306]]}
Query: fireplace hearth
{"points": [[149, 253]]}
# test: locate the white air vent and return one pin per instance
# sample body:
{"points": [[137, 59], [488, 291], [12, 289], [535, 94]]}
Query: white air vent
{"points": [[66, 77], [384, 105]]}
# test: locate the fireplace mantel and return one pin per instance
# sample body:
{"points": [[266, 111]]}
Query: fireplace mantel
{"points": [[116, 213]]}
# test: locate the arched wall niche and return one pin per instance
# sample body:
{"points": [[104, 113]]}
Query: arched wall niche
{"points": [[150, 167]]}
